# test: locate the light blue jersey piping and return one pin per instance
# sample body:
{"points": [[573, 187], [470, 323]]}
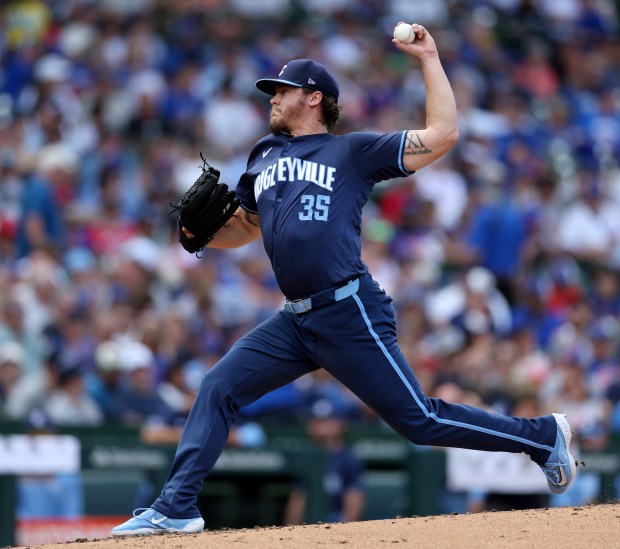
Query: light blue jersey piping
{"points": [[419, 402]]}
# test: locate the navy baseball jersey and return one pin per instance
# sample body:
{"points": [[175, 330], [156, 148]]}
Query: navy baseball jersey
{"points": [[309, 192]]}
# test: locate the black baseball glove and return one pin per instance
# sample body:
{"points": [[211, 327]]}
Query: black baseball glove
{"points": [[204, 209]]}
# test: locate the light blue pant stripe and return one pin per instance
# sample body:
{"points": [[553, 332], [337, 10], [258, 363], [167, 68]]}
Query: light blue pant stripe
{"points": [[419, 402]]}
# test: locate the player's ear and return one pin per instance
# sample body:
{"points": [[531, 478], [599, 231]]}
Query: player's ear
{"points": [[315, 98]]}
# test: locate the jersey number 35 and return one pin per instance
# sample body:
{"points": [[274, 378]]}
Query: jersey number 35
{"points": [[314, 207]]}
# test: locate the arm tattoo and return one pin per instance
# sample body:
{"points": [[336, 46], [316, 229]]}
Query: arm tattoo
{"points": [[414, 141], [415, 146]]}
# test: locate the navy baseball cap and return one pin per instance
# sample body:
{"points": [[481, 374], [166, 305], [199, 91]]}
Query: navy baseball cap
{"points": [[302, 73]]}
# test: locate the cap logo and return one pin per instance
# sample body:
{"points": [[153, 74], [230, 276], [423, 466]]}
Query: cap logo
{"points": [[283, 69], [310, 81]]}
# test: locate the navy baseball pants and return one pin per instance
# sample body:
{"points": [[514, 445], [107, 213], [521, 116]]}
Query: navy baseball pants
{"points": [[354, 339]]}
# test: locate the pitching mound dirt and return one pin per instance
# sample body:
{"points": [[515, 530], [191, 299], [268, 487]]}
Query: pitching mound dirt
{"points": [[590, 526]]}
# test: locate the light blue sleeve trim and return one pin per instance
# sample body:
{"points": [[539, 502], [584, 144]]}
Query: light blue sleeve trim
{"points": [[401, 165]]}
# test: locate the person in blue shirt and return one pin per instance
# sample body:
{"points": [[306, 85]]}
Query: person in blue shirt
{"points": [[40, 224], [303, 191], [342, 482]]}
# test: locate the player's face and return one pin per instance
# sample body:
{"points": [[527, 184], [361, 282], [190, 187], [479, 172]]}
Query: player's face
{"points": [[287, 106]]}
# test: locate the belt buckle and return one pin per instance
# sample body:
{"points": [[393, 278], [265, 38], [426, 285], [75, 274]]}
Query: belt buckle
{"points": [[300, 301]]}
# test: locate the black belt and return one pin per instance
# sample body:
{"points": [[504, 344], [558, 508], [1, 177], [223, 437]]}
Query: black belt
{"points": [[300, 306]]}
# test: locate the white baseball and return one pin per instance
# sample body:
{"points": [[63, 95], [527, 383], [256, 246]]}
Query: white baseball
{"points": [[403, 32]]}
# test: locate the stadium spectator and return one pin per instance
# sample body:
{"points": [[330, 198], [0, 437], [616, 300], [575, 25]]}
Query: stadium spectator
{"points": [[69, 404], [326, 425]]}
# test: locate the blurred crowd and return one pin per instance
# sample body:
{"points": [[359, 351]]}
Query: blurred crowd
{"points": [[502, 258]]}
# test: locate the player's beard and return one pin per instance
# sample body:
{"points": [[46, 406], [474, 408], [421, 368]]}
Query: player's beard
{"points": [[286, 116]]}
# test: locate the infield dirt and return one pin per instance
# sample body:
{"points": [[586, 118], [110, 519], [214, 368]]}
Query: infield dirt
{"points": [[590, 526]]}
